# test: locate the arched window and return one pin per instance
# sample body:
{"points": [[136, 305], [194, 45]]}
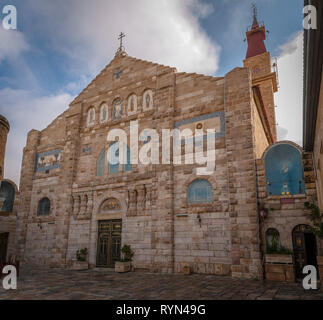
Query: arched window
{"points": [[272, 240], [44, 207], [90, 117], [117, 109], [132, 105], [113, 158], [100, 164], [200, 191], [284, 170], [148, 100], [7, 196], [104, 113]]}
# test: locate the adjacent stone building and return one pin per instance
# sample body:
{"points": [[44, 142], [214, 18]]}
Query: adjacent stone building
{"points": [[73, 196], [8, 201], [313, 95]]}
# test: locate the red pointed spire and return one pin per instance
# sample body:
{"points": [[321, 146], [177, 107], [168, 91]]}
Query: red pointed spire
{"points": [[255, 23], [256, 37]]}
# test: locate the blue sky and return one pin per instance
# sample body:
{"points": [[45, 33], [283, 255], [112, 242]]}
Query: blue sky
{"points": [[61, 45]]}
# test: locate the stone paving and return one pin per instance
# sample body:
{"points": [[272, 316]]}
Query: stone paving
{"points": [[57, 284]]}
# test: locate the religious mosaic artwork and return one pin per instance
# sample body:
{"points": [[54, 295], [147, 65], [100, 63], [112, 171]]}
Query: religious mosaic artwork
{"points": [[284, 170], [111, 205], [132, 105], [48, 160], [145, 136], [214, 121], [90, 117], [148, 101], [104, 113], [117, 109]]}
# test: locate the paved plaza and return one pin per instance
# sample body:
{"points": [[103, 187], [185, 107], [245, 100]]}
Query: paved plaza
{"points": [[106, 285]]}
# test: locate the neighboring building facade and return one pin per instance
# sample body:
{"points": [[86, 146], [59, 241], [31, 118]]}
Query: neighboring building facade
{"points": [[313, 95], [8, 201], [72, 197]]}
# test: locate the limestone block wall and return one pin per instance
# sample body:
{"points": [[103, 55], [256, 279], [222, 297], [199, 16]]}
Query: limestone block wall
{"points": [[244, 222], [261, 73], [8, 223], [39, 244], [318, 148], [137, 232], [79, 238], [260, 138]]}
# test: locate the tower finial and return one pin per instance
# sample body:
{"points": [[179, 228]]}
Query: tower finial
{"points": [[121, 36], [255, 23]]}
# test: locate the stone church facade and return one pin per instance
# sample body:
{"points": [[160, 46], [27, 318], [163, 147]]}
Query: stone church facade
{"points": [[71, 197]]}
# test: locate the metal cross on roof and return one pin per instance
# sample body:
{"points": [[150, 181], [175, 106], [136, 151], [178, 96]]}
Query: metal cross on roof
{"points": [[121, 36], [118, 73]]}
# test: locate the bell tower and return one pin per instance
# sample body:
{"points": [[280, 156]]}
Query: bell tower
{"points": [[4, 130], [259, 62]]}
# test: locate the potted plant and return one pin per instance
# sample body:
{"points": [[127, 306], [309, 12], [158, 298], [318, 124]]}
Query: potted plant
{"points": [[187, 270], [279, 262], [81, 260], [276, 253], [124, 265], [81, 255]]}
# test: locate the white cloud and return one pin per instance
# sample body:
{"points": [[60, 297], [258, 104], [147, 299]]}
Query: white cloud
{"points": [[163, 31], [12, 42], [289, 98], [25, 111], [167, 32]]}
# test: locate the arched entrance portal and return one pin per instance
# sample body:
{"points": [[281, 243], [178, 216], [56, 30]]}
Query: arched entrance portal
{"points": [[3, 247], [305, 249], [109, 235]]}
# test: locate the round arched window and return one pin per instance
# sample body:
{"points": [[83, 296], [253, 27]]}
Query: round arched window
{"points": [[284, 170], [7, 196], [200, 191], [44, 207]]}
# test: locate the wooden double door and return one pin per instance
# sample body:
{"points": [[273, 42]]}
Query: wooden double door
{"points": [[109, 243], [305, 249], [3, 247]]}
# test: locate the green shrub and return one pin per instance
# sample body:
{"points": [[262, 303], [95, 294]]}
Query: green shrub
{"points": [[81, 254], [126, 253]]}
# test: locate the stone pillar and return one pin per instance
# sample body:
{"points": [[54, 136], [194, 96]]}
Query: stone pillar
{"points": [[89, 207], [26, 183], [77, 205], [163, 208], [246, 261], [141, 201], [68, 169], [132, 206], [4, 130]]}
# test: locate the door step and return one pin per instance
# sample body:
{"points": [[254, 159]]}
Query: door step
{"points": [[104, 269]]}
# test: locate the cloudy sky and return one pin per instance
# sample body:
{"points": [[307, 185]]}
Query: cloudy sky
{"points": [[61, 45]]}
